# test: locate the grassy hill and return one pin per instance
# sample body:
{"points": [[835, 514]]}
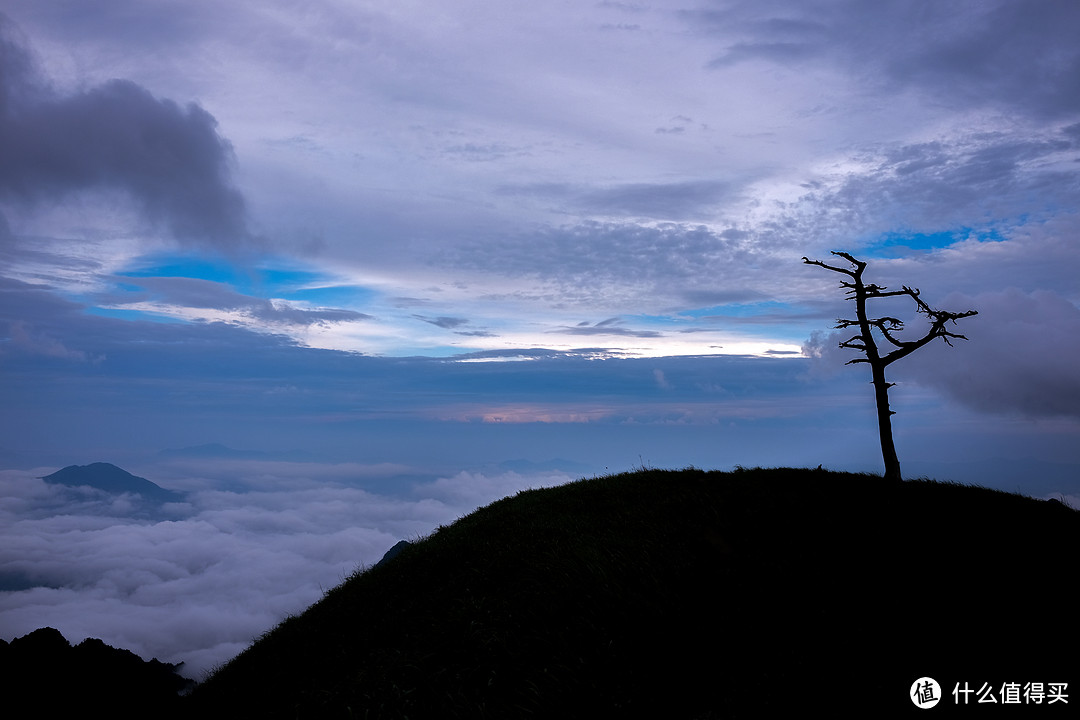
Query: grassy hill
{"points": [[686, 594]]}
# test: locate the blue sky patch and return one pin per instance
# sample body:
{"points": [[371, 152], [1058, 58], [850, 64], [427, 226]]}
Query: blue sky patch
{"points": [[900, 244], [265, 279]]}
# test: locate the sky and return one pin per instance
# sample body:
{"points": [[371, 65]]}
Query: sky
{"points": [[344, 271]]}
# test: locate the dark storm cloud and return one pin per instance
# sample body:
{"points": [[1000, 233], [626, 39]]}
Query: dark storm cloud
{"points": [[170, 160], [1020, 357], [1019, 55]]}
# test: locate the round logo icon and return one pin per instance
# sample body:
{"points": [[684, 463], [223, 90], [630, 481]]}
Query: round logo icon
{"points": [[925, 693]]}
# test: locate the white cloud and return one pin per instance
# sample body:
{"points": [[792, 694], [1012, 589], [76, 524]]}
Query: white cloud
{"points": [[198, 588]]}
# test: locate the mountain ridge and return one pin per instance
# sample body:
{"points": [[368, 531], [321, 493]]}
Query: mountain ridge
{"points": [[680, 594], [46, 676]]}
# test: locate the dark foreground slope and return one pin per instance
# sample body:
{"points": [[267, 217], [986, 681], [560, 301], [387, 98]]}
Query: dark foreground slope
{"points": [[43, 676], [687, 594]]}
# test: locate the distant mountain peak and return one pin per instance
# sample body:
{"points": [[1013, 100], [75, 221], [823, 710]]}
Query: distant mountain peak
{"points": [[112, 479]]}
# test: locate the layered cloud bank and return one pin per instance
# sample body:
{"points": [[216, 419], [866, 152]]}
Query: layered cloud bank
{"points": [[646, 176]]}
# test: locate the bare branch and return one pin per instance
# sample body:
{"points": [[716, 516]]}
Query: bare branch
{"points": [[857, 263], [808, 261], [937, 329], [855, 343]]}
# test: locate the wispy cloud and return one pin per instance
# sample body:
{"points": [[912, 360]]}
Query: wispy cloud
{"points": [[611, 326], [447, 323], [194, 298]]}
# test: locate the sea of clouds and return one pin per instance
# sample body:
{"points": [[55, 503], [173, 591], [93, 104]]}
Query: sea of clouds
{"points": [[197, 581]]}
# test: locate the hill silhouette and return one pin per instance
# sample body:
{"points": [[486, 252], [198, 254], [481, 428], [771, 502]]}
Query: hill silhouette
{"points": [[113, 480], [45, 676], [687, 594]]}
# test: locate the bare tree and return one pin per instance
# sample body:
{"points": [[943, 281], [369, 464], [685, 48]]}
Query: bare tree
{"points": [[866, 343]]}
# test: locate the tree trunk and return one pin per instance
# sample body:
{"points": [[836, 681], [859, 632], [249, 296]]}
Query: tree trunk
{"points": [[884, 416]]}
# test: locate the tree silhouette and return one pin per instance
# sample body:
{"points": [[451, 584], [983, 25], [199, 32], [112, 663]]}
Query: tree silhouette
{"points": [[866, 343]]}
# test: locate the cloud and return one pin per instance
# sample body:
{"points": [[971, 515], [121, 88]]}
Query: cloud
{"points": [[477, 334], [169, 160], [976, 185], [1020, 358], [475, 489], [672, 201], [611, 326], [182, 296], [38, 319], [617, 267], [33, 343], [227, 567], [38, 324], [447, 323], [1010, 55]]}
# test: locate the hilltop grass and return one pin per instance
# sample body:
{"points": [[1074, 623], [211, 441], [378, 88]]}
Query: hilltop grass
{"points": [[681, 594]]}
